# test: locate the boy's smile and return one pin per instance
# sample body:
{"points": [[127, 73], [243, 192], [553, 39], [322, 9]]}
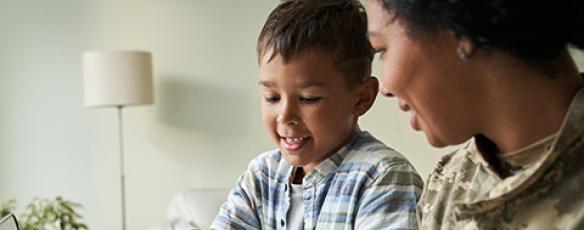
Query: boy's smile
{"points": [[294, 143], [307, 108]]}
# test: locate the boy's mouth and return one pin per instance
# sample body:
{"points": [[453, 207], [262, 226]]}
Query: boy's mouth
{"points": [[294, 143]]}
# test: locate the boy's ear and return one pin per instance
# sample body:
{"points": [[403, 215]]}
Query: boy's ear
{"points": [[367, 93]]}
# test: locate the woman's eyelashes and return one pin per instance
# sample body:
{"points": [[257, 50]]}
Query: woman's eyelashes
{"points": [[380, 51]]}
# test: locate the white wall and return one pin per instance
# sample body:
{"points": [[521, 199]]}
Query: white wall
{"points": [[201, 132]]}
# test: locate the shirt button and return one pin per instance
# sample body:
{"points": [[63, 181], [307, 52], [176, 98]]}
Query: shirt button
{"points": [[282, 223]]}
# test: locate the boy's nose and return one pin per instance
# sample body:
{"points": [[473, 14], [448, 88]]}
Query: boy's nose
{"points": [[288, 115], [287, 119]]}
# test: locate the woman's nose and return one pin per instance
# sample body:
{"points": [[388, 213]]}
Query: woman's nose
{"points": [[384, 91]]}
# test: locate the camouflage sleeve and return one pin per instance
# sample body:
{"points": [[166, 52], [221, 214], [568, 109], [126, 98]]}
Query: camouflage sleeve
{"points": [[419, 212]]}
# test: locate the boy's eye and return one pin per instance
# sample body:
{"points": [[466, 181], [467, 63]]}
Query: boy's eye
{"points": [[309, 100], [271, 99]]}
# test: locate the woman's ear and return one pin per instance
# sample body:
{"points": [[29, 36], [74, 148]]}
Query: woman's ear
{"points": [[367, 93], [465, 49]]}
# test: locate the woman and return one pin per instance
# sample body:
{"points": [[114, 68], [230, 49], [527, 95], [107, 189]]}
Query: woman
{"points": [[496, 77]]}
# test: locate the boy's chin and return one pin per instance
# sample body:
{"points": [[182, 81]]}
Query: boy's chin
{"points": [[294, 160]]}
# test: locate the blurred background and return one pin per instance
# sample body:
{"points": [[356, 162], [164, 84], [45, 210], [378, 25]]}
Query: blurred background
{"points": [[201, 131]]}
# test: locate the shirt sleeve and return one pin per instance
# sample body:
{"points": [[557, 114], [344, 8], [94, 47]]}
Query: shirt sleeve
{"points": [[389, 202], [240, 209]]}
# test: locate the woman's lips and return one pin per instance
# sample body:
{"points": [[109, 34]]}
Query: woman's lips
{"points": [[414, 122]]}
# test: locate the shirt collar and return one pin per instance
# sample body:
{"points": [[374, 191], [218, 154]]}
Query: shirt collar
{"points": [[332, 163]]}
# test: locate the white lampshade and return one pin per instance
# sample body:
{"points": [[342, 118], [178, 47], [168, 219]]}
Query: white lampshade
{"points": [[117, 78]]}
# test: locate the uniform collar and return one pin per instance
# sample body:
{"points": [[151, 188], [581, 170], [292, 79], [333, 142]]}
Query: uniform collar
{"points": [[571, 131]]}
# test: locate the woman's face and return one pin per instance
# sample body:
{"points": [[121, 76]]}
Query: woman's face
{"points": [[427, 78]]}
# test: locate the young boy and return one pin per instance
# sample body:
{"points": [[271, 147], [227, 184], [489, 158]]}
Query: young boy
{"points": [[315, 65]]}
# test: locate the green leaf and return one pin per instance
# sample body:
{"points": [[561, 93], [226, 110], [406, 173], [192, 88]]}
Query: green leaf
{"points": [[44, 214]]}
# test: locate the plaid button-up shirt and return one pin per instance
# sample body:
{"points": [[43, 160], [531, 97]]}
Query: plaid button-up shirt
{"points": [[365, 185]]}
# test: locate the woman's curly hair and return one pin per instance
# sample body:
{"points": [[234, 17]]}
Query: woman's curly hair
{"points": [[534, 30]]}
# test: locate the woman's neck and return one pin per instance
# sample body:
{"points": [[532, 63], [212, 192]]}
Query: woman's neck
{"points": [[525, 105]]}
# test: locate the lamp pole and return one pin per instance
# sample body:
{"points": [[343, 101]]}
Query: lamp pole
{"points": [[122, 173], [118, 79]]}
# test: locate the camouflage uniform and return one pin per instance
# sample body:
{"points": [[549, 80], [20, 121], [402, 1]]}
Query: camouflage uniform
{"points": [[543, 190]]}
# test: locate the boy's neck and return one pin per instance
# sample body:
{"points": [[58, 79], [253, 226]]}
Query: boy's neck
{"points": [[298, 176], [300, 172]]}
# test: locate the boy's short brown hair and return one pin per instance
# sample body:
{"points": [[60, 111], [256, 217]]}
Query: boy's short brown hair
{"points": [[337, 28]]}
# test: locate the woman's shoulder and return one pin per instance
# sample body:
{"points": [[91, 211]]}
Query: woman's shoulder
{"points": [[462, 160], [456, 171]]}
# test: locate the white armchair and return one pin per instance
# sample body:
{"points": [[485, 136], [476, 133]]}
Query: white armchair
{"points": [[193, 209]]}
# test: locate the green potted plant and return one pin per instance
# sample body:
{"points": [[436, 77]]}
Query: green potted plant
{"points": [[47, 214], [6, 207]]}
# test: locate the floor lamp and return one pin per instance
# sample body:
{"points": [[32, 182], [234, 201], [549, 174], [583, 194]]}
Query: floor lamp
{"points": [[118, 79]]}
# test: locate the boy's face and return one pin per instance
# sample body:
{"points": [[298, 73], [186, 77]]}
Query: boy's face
{"points": [[307, 109]]}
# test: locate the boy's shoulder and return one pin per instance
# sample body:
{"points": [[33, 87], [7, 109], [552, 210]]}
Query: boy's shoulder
{"points": [[380, 163], [368, 149], [268, 159]]}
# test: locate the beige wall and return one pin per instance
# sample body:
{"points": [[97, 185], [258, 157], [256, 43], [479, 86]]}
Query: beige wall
{"points": [[201, 132]]}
